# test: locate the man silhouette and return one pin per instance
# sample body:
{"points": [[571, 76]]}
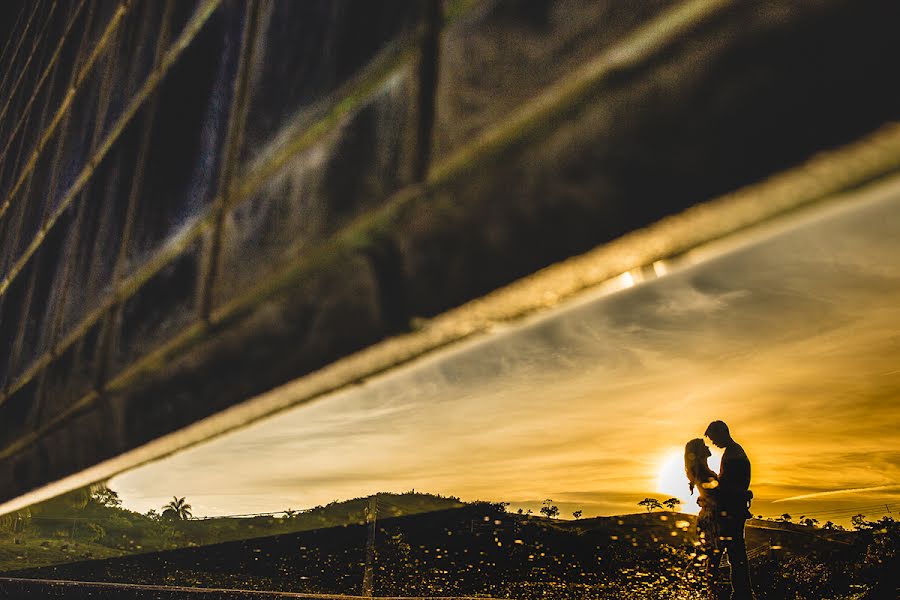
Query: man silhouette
{"points": [[733, 497]]}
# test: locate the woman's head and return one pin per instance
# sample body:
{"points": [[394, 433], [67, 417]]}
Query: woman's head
{"points": [[696, 449], [695, 454]]}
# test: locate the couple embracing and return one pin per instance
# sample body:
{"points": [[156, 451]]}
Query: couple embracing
{"points": [[724, 500]]}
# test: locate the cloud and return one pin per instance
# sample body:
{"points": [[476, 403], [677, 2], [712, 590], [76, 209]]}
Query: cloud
{"points": [[877, 488], [794, 342]]}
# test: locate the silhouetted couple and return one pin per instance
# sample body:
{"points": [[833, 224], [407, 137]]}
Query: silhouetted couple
{"points": [[724, 500]]}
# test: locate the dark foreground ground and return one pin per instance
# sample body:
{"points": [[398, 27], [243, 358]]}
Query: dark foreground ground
{"points": [[479, 550], [74, 590]]}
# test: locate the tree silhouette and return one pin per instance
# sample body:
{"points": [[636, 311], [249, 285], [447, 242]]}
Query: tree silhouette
{"points": [[577, 514], [786, 517], [550, 509], [810, 522], [105, 497], [671, 503], [650, 503], [177, 509], [859, 522], [290, 513]]}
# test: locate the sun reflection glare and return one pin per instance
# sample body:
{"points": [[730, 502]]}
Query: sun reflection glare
{"points": [[660, 268], [626, 280]]}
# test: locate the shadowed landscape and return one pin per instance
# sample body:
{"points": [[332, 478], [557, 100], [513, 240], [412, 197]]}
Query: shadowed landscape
{"points": [[426, 545]]}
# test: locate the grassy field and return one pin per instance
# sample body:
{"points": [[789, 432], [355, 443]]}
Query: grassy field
{"points": [[31, 553]]}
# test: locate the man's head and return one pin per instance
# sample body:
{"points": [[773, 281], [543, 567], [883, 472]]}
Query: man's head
{"points": [[718, 433]]}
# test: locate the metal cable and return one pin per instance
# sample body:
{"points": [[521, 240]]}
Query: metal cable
{"points": [[81, 75], [38, 43], [21, 40], [11, 31], [50, 64], [72, 79], [127, 115]]}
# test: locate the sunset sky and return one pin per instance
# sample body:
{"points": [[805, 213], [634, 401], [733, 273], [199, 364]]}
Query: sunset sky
{"points": [[793, 339]]}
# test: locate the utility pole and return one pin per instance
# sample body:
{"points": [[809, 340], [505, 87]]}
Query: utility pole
{"points": [[368, 586]]}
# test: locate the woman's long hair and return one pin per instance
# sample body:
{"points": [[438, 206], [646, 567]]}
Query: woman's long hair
{"points": [[695, 466]]}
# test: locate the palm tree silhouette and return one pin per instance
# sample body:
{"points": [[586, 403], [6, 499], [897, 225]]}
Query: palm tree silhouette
{"points": [[177, 509]]}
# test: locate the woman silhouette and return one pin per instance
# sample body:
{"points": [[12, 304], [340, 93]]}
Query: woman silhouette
{"points": [[700, 476]]}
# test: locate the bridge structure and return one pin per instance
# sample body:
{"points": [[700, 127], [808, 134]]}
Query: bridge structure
{"points": [[205, 202]]}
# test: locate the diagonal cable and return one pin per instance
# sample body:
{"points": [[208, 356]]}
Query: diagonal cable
{"points": [[66, 103], [21, 40], [50, 64], [200, 17], [39, 39], [11, 31]]}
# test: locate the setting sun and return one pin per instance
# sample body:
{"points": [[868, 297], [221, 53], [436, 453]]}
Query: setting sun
{"points": [[672, 483]]}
